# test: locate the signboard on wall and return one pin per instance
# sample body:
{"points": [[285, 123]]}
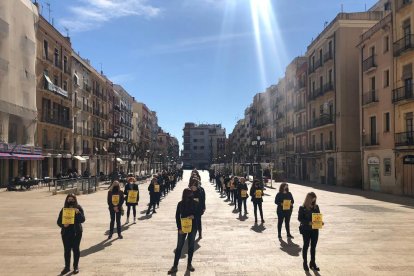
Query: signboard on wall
{"points": [[373, 161]]}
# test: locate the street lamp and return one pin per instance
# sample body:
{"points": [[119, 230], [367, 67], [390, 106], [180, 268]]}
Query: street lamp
{"points": [[258, 143], [232, 160], [116, 139]]}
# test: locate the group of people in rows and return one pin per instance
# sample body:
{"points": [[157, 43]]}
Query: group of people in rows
{"points": [[189, 212], [236, 190]]}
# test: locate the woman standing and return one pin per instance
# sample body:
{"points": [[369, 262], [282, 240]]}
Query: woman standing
{"points": [[242, 192], [154, 191], [310, 235], [71, 231], [186, 212], [115, 200], [284, 201], [256, 192], [131, 197]]}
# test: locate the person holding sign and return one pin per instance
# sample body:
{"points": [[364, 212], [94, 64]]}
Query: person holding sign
{"points": [[309, 229], [115, 201], [154, 191], [131, 197], [284, 201], [242, 192], [256, 192], [70, 221], [184, 217], [199, 196]]}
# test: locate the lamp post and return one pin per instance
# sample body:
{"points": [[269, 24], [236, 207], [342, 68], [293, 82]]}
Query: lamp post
{"points": [[225, 162], [258, 143], [232, 160], [148, 162], [116, 139]]}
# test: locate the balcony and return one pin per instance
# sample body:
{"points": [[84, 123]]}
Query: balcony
{"points": [[300, 149], [290, 148], [328, 87], [299, 106], [57, 121], [280, 135], [280, 115], [316, 93], [327, 56], [404, 139], [370, 140], [318, 64], [312, 147], [324, 119], [402, 93], [404, 44], [402, 4], [370, 97], [329, 145], [369, 63], [100, 135], [299, 129], [87, 87], [86, 151], [87, 108]]}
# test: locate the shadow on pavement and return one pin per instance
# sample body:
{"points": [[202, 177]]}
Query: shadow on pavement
{"points": [[242, 218], [290, 247], [97, 247], [184, 251], [258, 228], [124, 227]]}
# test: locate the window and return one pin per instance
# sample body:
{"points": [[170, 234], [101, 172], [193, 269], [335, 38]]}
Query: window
{"points": [[194, 140], [55, 80], [386, 44], [45, 49], [65, 64], [321, 109], [387, 166], [387, 6], [195, 148], [372, 51], [330, 76], [202, 147], [386, 78], [65, 85], [56, 57], [373, 84], [387, 122]]}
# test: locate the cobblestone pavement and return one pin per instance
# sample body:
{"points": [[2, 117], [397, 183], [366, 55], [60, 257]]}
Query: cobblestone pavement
{"points": [[365, 234]]}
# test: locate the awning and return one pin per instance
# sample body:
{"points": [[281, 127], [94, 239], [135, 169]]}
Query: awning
{"points": [[80, 158], [85, 157], [27, 157], [68, 155], [119, 160], [5, 155]]}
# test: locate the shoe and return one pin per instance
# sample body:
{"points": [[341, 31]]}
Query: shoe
{"points": [[120, 236], [255, 221], [190, 268], [290, 236], [154, 212], [64, 271], [246, 213], [313, 266], [127, 221], [172, 270], [279, 236], [110, 236], [200, 237], [75, 270], [263, 221], [305, 266]]}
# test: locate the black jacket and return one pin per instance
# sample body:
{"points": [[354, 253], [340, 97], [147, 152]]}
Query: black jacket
{"points": [[129, 187], [253, 194], [240, 187], [305, 217], [74, 228], [184, 211], [109, 199], [200, 197], [279, 201]]}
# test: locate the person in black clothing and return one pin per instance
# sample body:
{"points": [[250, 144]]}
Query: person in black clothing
{"points": [[310, 236], [282, 214], [242, 192], [71, 233], [228, 184], [218, 182], [115, 201], [199, 196], [256, 192], [154, 191], [233, 191], [186, 208], [132, 203]]}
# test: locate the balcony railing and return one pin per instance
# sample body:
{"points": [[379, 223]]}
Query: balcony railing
{"points": [[369, 63], [329, 145], [300, 149], [402, 3], [100, 135], [318, 64], [312, 147], [404, 139], [327, 56], [57, 121], [290, 148], [370, 97], [280, 135], [324, 119], [402, 93], [87, 151], [370, 140], [328, 87], [316, 93], [404, 44], [299, 106], [298, 129], [288, 129]]}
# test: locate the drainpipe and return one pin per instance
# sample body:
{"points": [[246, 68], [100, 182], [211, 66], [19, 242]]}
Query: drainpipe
{"points": [[335, 110], [362, 121]]}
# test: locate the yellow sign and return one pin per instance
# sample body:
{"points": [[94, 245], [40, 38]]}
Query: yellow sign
{"points": [[286, 204], [317, 221], [132, 196], [258, 194], [243, 193], [68, 216], [186, 225], [156, 188], [115, 200]]}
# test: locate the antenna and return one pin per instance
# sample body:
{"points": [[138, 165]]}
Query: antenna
{"points": [[101, 68], [49, 9], [342, 8], [67, 31]]}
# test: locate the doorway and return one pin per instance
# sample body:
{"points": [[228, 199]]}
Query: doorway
{"points": [[374, 177]]}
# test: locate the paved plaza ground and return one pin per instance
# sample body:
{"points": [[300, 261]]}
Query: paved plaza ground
{"points": [[365, 234]]}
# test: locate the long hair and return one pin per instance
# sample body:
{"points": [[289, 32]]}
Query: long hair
{"points": [[72, 196], [308, 200], [282, 187]]}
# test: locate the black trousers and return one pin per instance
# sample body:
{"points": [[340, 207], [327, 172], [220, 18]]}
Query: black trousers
{"points": [[180, 244], [235, 198], [134, 210], [283, 216], [199, 225], [115, 216], [228, 193], [255, 205], [71, 242], [240, 201], [309, 237]]}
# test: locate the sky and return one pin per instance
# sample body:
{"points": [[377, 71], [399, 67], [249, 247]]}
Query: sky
{"points": [[198, 61]]}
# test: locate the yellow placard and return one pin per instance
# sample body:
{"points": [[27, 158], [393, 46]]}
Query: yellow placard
{"points": [[68, 216], [286, 204], [258, 194], [186, 225], [317, 221], [243, 193], [115, 200], [132, 196], [156, 188]]}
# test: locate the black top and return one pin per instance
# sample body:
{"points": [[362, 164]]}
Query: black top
{"points": [[280, 197], [240, 187], [253, 194], [200, 197], [185, 210], [151, 187], [73, 228], [305, 216], [129, 187], [109, 199]]}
